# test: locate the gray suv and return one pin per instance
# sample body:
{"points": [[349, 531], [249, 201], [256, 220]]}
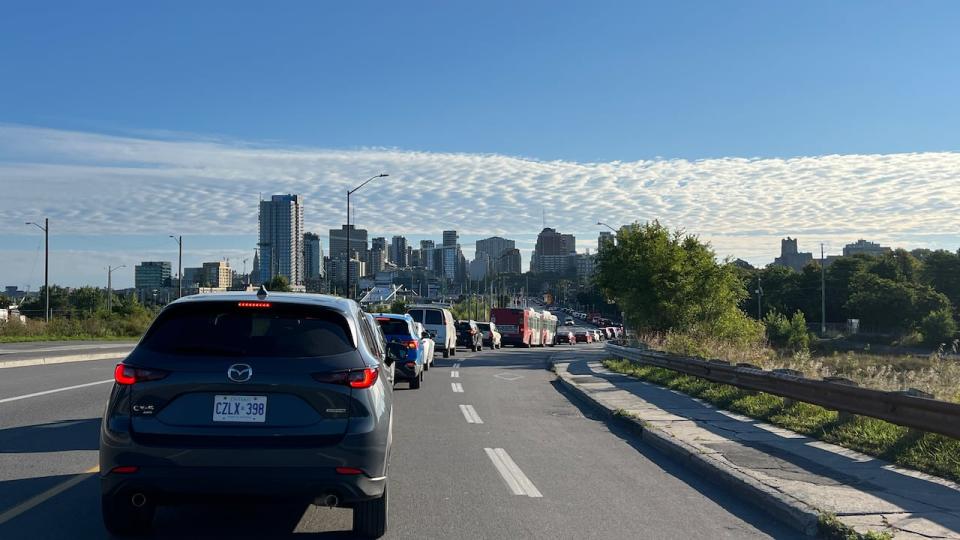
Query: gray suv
{"points": [[267, 396]]}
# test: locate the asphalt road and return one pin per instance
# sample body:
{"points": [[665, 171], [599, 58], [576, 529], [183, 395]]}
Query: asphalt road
{"points": [[509, 456]]}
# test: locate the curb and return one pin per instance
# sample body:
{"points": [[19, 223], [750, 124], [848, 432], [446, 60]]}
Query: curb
{"points": [[784, 508], [63, 359]]}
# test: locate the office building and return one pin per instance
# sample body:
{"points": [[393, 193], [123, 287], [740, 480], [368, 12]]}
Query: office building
{"points": [[586, 264], [790, 257], [152, 275], [450, 238], [606, 238], [510, 262], [338, 241], [398, 251], [192, 277], [281, 238]]}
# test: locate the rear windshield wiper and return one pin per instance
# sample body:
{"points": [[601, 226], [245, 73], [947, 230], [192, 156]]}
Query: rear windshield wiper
{"points": [[208, 349]]}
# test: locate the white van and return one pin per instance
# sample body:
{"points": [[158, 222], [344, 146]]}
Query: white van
{"points": [[439, 321]]}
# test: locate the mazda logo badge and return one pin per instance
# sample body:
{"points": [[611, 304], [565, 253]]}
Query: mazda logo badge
{"points": [[239, 373]]}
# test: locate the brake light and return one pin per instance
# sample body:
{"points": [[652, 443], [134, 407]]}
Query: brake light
{"points": [[413, 344], [253, 304], [125, 469], [362, 378], [383, 318], [349, 470], [125, 375]]}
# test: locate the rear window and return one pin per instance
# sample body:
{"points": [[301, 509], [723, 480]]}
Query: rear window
{"points": [[225, 329], [393, 327], [434, 316], [416, 314], [484, 326], [463, 326]]}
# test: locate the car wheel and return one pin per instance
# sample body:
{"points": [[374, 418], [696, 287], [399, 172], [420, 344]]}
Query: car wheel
{"points": [[370, 517], [453, 351], [446, 353], [415, 382], [122, 518]]}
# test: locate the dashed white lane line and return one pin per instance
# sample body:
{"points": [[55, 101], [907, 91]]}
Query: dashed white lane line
{"points": [[456, 365], [456, 387], [455, 374], [54, 391], [518, 482], [470, 414]]}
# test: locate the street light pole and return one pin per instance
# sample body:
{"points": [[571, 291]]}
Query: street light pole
{"points": [[46, 263], [349, 193], [179, 241], [110, 286], [607, 226]]}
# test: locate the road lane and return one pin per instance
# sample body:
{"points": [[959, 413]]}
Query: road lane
{"points": [[593, 482]]}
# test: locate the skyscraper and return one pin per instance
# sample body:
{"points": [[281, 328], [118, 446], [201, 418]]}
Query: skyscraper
{"points": [[338, 241], [495, 249], [553, 251], [151, 275], [281, 238], [606, 238], [398, 251], [312, 257], [450, 238]]}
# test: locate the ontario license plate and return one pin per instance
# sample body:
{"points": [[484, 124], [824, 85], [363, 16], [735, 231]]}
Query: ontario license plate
{"points": [[240, 409]]}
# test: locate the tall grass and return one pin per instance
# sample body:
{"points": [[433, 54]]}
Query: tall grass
{"points": [[98, 326]]}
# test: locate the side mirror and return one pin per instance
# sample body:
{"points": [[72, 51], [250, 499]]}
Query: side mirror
{"points": [[432, 334], [396, 352]]}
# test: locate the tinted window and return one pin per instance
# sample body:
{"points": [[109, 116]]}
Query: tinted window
{"points": [[484, 326], [416, 314], [394, 327], [433, 317], [224, 329]]}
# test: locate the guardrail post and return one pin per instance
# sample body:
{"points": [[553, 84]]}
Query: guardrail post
{"points": [[788, 402], [842, 416]]}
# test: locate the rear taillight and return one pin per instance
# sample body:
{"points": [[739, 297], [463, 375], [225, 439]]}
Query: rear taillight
{"points": [[124, 374], [349, 470], [413, 344], [356, 378], [125, 469]]}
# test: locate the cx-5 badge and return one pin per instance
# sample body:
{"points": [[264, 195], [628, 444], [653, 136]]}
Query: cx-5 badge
{"points": [[239, 373]]}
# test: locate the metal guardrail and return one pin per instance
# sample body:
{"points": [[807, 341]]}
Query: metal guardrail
{"points": [[901, 408]]}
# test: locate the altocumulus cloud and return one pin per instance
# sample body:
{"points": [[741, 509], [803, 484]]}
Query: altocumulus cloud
{"points": [[110, 185]]}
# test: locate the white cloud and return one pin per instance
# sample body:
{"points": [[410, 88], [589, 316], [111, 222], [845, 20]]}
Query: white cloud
{"points": [[108, 185]]}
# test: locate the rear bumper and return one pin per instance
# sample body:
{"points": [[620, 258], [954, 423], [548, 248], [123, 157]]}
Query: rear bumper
{"points": [[404, 373], [167, 485], [512, 340]]}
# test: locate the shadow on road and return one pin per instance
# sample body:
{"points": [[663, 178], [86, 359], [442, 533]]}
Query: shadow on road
{"points": [[52, 437]]}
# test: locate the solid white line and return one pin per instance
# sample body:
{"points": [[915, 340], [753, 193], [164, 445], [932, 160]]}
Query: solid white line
{"points": [[511, 473], [504, 472], [470, 414], [455, 374], [45, 392]]}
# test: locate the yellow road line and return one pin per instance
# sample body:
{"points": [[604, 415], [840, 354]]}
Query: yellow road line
{"points": [[47, 495]]}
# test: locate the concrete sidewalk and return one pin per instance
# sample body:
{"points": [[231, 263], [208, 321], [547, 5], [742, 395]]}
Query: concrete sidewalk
{"points": [[792, 476], [40, 353]]}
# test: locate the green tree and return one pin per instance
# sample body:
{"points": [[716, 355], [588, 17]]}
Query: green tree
{"points": [[784, 332], [667, 280], [890, 305], [938, 327], [941, 270], [398, 306], [4, 301], [279, 284]]}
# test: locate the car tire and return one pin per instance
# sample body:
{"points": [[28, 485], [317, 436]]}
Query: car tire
{"points": [[415, 382], [370, 517], [121, 518], [446, 353], [453, 351]]}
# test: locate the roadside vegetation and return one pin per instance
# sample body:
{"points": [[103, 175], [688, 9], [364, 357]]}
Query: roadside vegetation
{"points": [[79, 314], [931, 453]]}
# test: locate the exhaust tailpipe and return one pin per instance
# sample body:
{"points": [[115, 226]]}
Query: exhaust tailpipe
{"points": [[138, 500], [329, 500]]}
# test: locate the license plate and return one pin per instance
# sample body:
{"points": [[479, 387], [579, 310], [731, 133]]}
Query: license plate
{"points": [[240, 409]]}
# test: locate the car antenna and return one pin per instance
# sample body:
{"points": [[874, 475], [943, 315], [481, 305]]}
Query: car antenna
{"points": [[262, 293]]}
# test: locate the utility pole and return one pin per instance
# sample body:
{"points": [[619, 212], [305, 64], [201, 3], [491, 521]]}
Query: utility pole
{"points": [[179, 241], [46, 263], [349, 256], [110, 286], [823, 294]]}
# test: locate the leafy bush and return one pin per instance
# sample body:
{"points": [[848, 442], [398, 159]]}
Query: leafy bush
{"points": [[791, 333], [938, 327]]}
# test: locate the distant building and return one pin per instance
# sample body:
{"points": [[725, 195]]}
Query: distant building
{"points": [[479, 267], [255, 271], [192, 277], [217, 275], [312, 257], [510, 262], [862, 247], [790, 257], [586, 264], [554, 252], [606, 238], [376, 260], [281, 238], [338, 241], [426, 244], [450, 238], [379, 243], [150, 275], [495, 247], [740, 263], [398, 251]]}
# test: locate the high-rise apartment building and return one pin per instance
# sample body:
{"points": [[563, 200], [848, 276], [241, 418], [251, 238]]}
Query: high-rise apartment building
{"points": [[281, 238], [495, 248], [510, 262], [312, 257], [865, 248], [151, 275], [553, 252], [606, 238], [216, 275]]}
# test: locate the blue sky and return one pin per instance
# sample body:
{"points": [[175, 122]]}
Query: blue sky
{"points": [[671, 93]]}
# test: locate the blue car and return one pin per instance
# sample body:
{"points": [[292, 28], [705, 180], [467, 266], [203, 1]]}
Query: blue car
{"points": [[401, 329]]}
